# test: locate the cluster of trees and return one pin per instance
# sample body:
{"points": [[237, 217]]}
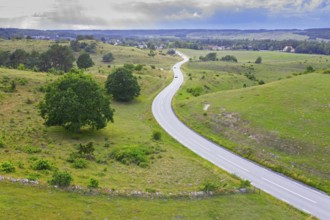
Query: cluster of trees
{"points": [[229, 58], [213, 57], [57, 57], [209, 57], [66, 104], [77, 46]]}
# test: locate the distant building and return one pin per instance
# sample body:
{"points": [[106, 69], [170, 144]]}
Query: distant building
{"points": [[289, 49]]}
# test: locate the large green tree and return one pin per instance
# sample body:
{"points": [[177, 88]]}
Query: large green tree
{"points": [[122, 85], [75, 100], [84, 61]]}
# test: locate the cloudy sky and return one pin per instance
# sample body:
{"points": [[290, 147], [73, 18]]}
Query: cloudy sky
{"points": [[164, 14]]}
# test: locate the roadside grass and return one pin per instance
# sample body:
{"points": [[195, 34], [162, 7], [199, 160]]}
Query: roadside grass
{"points": [[283, 125], [26, 202]]}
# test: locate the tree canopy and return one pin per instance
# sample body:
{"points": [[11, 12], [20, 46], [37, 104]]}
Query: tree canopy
{"points": [[84, 61], [229, 58], [75, 100], [107, 58], [122, 85]]}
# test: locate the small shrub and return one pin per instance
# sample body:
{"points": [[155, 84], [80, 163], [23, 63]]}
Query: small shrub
{"points": [[20, 165], [132, 155], [107, 145], [93, 183], [309, 69], [156, 135], [150, 190], [73, 156], [208, 186], [87, 150], [33, 176], [244, 183], [61, 179], [41, 165], [7, 167], [32, 150], [79, 163], [197, 91], [326, 71]]}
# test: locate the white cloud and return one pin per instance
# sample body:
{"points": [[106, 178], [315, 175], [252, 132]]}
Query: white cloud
{"points": [[100, 14]]}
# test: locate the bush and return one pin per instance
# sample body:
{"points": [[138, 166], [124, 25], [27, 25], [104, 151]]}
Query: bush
{"points": [[258, 60], [93, 183], [137, 155], [309, 69], [86, 151], [245, 183], [107, 57], [7, 167], [197, 91], [208, 186], [41, 165], [80, 163], [32, 150], [61, 179], [156, 135], [229, 58]]}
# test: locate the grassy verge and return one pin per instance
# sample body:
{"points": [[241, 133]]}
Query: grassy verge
{"points": [[25, 202]]}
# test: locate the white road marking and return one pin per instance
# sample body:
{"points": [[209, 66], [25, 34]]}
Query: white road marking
{"points": [[297, 194], [233, 163]]}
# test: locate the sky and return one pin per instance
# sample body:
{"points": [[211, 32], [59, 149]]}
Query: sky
{"points": [[167, 14]]}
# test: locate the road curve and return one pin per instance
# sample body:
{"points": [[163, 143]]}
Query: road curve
{"points": [[292, 192]]}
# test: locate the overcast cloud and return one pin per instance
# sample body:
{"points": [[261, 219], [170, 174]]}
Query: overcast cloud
{"points": [[149, 14]]}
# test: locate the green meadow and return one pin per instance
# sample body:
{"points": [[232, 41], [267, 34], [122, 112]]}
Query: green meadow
{"points": [[170, 170], [283, 124]]}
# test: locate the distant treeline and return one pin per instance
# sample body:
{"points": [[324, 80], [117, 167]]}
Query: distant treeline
{"points": [[314, 47], [316, 33], [56, 59]]}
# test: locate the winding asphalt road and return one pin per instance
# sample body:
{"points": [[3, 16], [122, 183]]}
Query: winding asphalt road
{"points": [[292, 192]]}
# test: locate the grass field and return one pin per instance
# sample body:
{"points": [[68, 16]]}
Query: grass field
{"points": [[173, 170], [282, 124], [24, 202]]}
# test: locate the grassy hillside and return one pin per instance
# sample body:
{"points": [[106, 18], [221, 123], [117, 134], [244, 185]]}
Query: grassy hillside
{"points": [[170, 168], [284, 125]]}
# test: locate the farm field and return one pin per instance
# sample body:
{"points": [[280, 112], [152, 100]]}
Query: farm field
{"points": [[170, 170], [282, 124]]}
